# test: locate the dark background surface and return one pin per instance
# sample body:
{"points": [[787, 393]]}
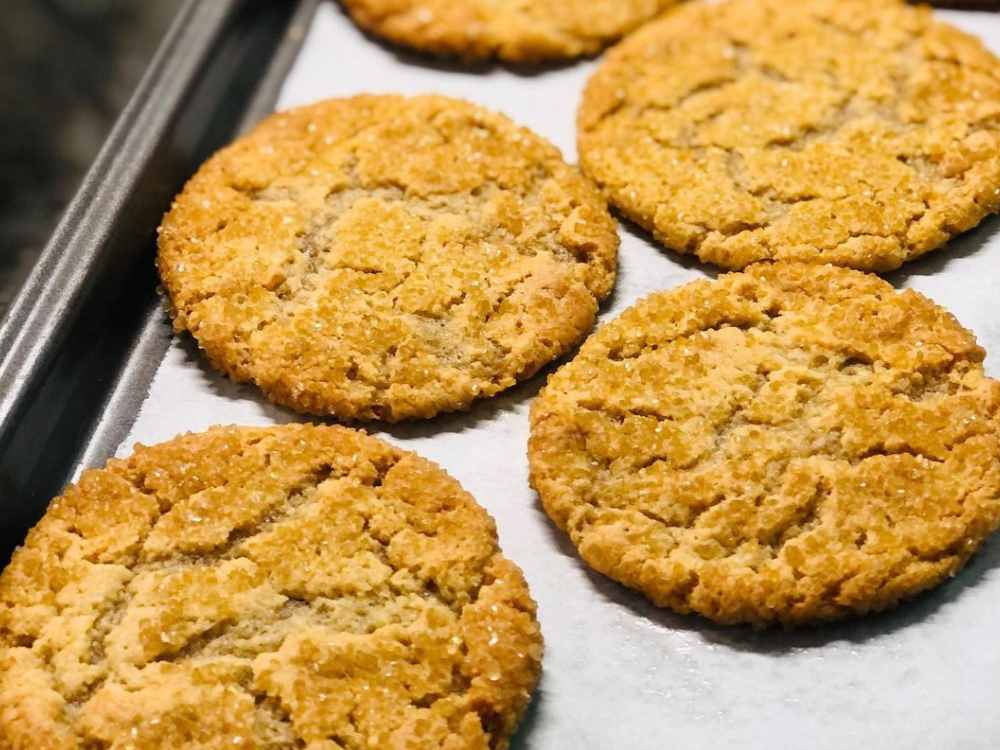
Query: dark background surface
{"points": [[67, 68]]}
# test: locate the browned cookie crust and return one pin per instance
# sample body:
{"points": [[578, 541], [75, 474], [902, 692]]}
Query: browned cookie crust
{"points": [[964, 4], [512, 30], [794, 443], [386, 258], [278, 588], [844, 131]]}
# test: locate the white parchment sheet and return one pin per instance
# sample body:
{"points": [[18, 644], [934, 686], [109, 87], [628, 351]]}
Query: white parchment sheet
{"points": [[618, 672]]}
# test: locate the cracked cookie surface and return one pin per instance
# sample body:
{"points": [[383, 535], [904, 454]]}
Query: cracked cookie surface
{"points": [[791, 444], [517, 31], [386, 258], [834, 131], [287, 587]]}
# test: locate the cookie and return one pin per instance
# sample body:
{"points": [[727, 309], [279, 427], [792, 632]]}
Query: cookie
{"points": [[283, 587], [518, 32], [794, 443], [834, 131], [386, 258]]}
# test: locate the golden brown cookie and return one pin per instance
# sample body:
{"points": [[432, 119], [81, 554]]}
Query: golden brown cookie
{"points": [[281, 588], [517, 31], [386, 258], [794, 443], [844, 131]]}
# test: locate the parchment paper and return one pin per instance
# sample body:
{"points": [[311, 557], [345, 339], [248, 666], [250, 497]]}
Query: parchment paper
{"points": [[618, 672]]}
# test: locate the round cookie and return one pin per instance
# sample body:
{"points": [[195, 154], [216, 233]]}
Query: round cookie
{"points": [[516, 31], [842, 131], [791, 444], [386, 258], [285, 587]]}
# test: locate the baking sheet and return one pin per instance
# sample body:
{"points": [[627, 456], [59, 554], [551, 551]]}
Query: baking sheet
{"points": [[618, 672]]}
